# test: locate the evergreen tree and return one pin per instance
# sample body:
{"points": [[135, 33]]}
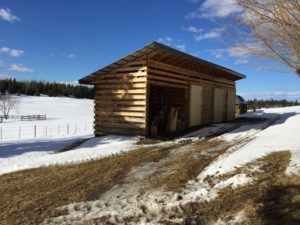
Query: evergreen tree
{"points": [[36, 88]]}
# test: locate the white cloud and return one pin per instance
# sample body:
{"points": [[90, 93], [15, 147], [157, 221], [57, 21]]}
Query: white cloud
{"points": [[216, 8], [19, 68], [6, 15], [214, 33], [192, 29], [12, 52], [194, 1], [181, 47], [218, 53], [241, 61], [69, 55], [238, 51], [166, 40], [174, 43], [5, 77], [243, 53], [2, 64]]}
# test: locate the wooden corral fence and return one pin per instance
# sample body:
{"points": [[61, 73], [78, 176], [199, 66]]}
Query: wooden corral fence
{"points": [[33, 117], [45, 130]]}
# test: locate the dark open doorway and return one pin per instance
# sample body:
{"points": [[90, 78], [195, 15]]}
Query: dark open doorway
{"points": [[168, 110]]}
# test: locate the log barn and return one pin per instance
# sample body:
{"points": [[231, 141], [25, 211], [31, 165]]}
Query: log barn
{"points": [[158, 90]]}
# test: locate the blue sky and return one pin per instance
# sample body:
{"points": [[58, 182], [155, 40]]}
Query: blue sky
{"points": [[66, 40]]}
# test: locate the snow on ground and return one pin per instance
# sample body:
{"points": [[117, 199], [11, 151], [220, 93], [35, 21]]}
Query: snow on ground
{"points": [[237, 218], [66, 117], [33, 154], [28, 153], [251, 141], [283, 135]]}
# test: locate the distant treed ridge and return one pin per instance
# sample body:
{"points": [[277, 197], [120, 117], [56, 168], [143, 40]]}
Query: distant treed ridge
{"points": [[270, 103], [36, 88]]}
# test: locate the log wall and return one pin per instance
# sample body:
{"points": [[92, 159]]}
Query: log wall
{"points": [[120, 100], [122, 97]]}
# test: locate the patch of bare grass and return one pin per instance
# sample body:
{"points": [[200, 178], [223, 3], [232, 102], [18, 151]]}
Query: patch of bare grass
{"points": [[185, 166], [272, 198], [30, 196]]}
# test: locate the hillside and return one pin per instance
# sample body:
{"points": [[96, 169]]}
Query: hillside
{"points": [[60, 112]]}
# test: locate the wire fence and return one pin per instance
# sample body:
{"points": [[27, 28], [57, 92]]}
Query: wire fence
{"points": [[48, 131]]}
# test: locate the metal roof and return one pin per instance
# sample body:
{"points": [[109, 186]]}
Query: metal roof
{"points": [[148, 49]]}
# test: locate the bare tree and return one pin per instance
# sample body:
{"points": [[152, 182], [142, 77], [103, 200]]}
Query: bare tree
{"points": [[269, 29], [7, 103]]}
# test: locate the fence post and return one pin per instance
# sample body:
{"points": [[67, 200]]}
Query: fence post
{"points": [[34, 131], [68, 129], [46, 131], [19, 133], [1, 133]]}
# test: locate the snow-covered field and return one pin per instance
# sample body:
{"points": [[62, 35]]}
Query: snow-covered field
{"points": [[246, 143], [66, 117], [283, 134]]}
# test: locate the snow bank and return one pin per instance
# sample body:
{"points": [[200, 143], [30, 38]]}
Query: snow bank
{"points": [[283, 135], [33, 154]]}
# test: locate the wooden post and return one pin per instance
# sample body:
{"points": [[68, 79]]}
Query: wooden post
{"points": [[34, 130], [46, 131], [68, 129], [1, 133], [19, 133]]}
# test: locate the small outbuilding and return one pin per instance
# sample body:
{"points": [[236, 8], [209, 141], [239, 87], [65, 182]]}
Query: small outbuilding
{"points": [[240, 105], [159, 90]]}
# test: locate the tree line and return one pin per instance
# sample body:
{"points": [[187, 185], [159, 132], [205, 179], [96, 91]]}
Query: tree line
{"points": [[270, 103], [36, 88]]}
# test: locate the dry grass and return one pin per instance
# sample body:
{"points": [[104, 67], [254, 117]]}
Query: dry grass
{"points": [[30, 196], [272, 199], [185, 166]]}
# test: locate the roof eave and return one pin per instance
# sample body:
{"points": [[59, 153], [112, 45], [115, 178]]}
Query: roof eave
{"points": [[148, 48]]}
